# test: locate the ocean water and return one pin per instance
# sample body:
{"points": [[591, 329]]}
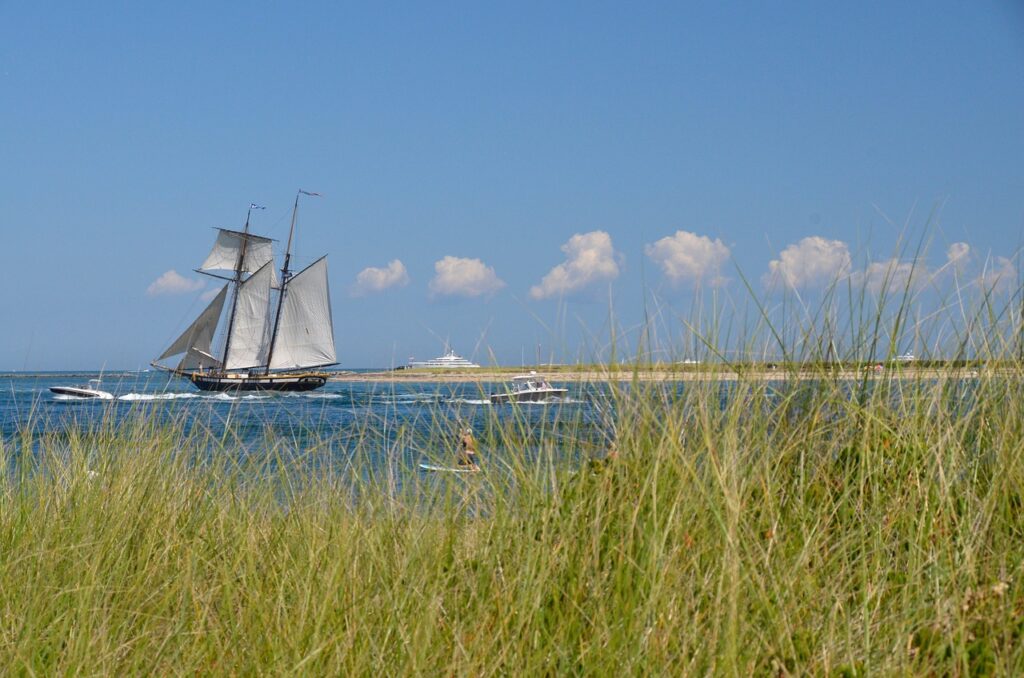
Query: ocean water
{"points": [[405, 422]]}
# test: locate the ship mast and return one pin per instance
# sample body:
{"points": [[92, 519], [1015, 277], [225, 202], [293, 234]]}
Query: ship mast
{"points": [[239, 265], [286, 274]]}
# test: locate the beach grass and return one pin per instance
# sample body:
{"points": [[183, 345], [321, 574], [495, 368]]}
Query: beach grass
{"points": [[819, 526]]}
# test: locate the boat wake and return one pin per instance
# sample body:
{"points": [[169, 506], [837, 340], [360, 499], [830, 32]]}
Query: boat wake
{"points": [[406, 398], [157, 396], [314, 396], [469, 401], [151, 397], [233, 398]]}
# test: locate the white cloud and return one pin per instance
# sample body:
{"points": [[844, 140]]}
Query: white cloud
{"points": [[690, 257], [1000, 274], [957, 252], [379, 279], [812, 260], [172, 282], [463, 277], [590, 259], [892, 276], [958, 256]]}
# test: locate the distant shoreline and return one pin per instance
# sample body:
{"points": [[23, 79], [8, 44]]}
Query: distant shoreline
{"points": [[562, 374], [706, 374]]}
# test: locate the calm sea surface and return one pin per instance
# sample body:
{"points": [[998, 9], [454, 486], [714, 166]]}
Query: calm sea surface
{"points": [[354, 416]]}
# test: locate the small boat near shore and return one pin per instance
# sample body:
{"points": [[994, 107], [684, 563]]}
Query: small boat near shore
{"points": [[529, 388], [90, 391]]}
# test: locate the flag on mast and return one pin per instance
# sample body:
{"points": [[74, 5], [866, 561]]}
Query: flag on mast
{"points": [[254, 206], [309, 193]]}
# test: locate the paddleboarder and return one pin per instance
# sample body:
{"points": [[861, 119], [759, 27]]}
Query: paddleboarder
{"points": [[466, 455]]}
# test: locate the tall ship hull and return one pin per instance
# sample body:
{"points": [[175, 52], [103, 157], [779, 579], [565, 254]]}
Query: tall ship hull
{"points": [[273, 335], [283, 382]]}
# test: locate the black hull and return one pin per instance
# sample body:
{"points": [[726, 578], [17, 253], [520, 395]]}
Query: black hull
{"points": [[280, 383]]}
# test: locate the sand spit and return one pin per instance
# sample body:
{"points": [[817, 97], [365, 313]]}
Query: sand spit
{"points": [[485, 375]]}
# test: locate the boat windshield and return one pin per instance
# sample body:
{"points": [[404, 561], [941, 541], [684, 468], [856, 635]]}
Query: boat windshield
{"points": [[529, 383]]}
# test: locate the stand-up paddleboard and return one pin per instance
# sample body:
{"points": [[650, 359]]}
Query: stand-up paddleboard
{"points": [[449, 469]]}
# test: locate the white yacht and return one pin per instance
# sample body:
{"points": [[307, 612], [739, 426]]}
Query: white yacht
{"points": [[528, 388], [448, 361]]}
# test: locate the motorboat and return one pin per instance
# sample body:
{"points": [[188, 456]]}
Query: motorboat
{"points": [[529, 388], [90, 391], [448, 361]]}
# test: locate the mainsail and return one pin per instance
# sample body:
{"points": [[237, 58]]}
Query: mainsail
{"points": [[196, 340], [250, 329], [305, 331], [227, 250]]}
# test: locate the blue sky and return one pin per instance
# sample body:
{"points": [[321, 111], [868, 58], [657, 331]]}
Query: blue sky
{"points": [[483, 147]]}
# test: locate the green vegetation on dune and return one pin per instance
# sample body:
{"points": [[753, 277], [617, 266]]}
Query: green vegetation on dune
{"points": [[817, 529], [829, 525]]}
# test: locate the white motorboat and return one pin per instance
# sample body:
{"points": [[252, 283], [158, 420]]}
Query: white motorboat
{"points": [[448, 361], [529, 388], [91, 391]]}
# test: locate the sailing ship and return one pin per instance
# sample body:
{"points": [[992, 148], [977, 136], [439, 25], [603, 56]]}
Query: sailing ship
{"points": [[275, 335]]}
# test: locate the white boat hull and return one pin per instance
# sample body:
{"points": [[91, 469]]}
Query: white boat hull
{"points": [[83, 393], [531, 396]]}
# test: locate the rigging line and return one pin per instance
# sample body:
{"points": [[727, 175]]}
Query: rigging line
{"points": [[285, 275], [284, 215], [483, 336]]}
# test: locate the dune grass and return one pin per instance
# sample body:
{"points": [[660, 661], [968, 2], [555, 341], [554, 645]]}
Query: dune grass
{"points": [[823, 526]]}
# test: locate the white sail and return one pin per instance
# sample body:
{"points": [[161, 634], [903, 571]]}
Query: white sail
{"points": [[250, 330], [224, 255], [198, 360], [199, 334], [305, 334]]}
